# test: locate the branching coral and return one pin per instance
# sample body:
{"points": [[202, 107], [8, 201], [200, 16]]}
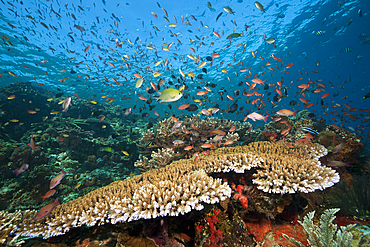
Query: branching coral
{"points": [[184, 186], [192, 131], [8, 225], [160, 159], [326, 234]]}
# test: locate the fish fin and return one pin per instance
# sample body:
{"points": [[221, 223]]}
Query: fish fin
{"points": [[265, 118], [294, 113]]}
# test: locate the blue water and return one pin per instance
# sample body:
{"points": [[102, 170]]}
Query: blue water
{"points": [[61, 46]]}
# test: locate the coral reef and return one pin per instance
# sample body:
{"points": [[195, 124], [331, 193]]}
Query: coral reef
{"points": [[192, 131], [8, 225], [352, 196], [159, 159], [326, 234], [184, 185]]}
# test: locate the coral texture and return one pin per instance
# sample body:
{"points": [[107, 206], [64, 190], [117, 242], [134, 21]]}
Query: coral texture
{"points": [[185, 185]]}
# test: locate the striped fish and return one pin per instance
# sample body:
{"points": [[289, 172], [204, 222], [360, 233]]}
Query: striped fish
{"points": [[346, 50], [306, 129], [319, 33]]}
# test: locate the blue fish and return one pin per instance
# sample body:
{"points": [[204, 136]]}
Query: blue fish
{"points": [[310, 130]]}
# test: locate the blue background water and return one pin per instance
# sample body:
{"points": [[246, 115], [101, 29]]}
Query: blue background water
{"points": [[296, 43]]}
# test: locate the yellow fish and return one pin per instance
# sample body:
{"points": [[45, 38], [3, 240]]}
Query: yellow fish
{"points": [[78, 185], [93, 102], [156, 74], [54, 112], [50, 99], [202, 64], [125, 152], [157, 63]]}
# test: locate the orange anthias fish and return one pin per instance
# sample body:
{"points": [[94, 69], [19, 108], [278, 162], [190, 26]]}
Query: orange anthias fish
{"points": [[285, 112], [56, 180], [32, 144], [48, 194], [45, 210], [184, 106], [256, 116]]}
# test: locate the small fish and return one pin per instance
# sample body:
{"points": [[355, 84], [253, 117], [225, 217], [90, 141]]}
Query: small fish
{"points": [[259, 6], [48, 194], [338, 147], [139, 82], [234, 35], [229, 142], [45, 210], [23, 168], [337, 163], [178, 142], [228, 10], [256, 116], [107, 149], [127, 112], [207, 145], [32, 144], [219, 15], [67, 102], [319, 33], [306, 129], [270, 40], [169, 95], [101, 119], [56, 180], [346, 50], [77, 186], [285, 112], [366, 96]]}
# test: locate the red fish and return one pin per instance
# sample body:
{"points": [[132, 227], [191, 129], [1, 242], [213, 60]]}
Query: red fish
{"points": [[48, 194], [32, 144], [56, 180], [45, 210], [255, 116], [23, 168], [285, 112]]}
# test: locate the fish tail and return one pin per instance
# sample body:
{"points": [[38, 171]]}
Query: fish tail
{"points": [[16, 172], [265, 118], [294, 113]]}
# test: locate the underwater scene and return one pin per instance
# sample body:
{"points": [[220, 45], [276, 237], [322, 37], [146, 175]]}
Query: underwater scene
{"points": [[184, 123]]}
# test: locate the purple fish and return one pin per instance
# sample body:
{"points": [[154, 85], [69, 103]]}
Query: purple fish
{"points": [[175, 126], [67, 102], [23, 168], [45, 210], [127, 112], [338, 147], [56, 180]]}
